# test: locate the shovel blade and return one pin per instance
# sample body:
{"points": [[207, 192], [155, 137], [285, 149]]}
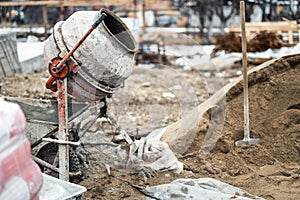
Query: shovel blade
{"points": [[247, 142]]}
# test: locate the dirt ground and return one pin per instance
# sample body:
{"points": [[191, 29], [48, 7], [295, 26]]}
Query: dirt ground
{"points": [[153, 98]]}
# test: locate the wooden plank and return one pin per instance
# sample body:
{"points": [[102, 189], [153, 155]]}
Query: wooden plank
{"points": [[30, 3], [66, 3], [72, 3], [291, 40], [278, 23], [289, 27], [269, 26]]}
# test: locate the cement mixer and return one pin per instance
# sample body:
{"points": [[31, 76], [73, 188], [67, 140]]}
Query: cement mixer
{"points": [[105, 58]]}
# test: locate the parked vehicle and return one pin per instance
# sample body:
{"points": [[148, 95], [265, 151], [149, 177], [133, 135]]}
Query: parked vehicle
{"points": [[166, 20]]}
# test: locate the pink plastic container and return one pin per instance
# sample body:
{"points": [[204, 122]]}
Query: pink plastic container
{"points": [[20, 176]]}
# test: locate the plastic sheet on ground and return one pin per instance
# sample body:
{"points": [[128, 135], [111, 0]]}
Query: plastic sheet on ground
{"points": [[156, 154], [203, 188], [146, 155]]}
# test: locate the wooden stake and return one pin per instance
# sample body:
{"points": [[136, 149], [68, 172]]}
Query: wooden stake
{"points": [[45, 21], [143, 16]]}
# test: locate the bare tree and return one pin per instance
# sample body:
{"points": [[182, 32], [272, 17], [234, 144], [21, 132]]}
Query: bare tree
{"points": [[267, 7], [294, 10], [204, 10], [224, 10]]}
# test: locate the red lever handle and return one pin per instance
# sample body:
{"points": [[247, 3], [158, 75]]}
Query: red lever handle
{"points": [[51, 84]]}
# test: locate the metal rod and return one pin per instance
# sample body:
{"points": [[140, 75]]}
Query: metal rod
{"points": [[122, 131], [55, 169], [245, 75], [88, 111], [61, 142], [89, 125], [45, 164], [41, 139], [42, 122]]}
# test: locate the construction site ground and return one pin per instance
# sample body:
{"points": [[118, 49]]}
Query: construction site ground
{"points": [[155, 97]]}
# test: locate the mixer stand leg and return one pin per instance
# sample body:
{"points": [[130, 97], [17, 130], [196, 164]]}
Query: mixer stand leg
{"points": [[63, 150], [122, 132]]}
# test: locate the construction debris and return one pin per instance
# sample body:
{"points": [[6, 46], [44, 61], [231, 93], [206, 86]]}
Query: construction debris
{"points": [[262, 41]]}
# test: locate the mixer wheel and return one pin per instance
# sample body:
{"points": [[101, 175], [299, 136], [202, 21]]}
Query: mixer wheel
{"points": [[49, 153]]}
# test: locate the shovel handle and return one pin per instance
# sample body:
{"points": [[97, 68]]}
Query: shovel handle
{"points": [[245, 75]]}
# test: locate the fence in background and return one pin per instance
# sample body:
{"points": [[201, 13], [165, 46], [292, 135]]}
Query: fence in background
{"points": [[289, 30], [9, 61]]}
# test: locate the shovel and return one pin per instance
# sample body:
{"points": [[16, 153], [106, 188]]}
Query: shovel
{"points": [[247, 141]]}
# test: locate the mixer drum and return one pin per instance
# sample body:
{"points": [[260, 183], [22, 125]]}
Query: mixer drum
{"points": [[105, 58]]}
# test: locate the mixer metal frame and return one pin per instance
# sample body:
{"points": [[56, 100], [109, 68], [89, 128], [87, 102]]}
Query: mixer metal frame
{"points": [[36, 118]]}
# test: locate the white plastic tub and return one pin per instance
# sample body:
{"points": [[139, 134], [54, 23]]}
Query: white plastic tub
{"points": [[56, 189]]}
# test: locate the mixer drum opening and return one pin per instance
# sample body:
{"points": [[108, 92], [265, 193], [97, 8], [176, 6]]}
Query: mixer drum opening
{"points": [[117, 28]]}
